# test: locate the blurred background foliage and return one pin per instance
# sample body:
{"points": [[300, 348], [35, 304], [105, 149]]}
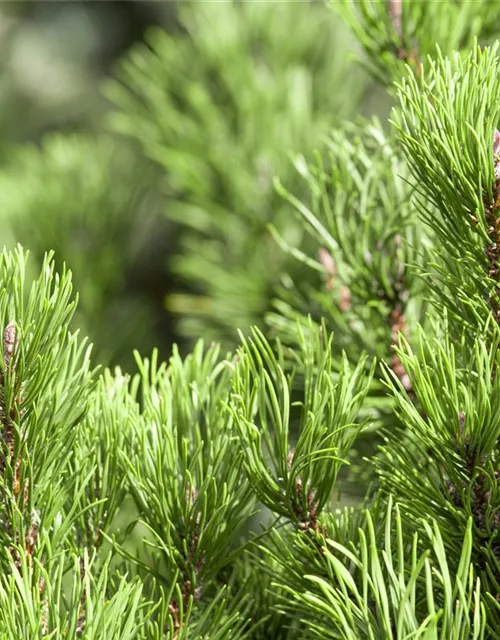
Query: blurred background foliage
{"points": [[139, 140]]}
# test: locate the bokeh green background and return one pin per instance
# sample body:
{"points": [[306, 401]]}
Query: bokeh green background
{"points": [[148, 168]]}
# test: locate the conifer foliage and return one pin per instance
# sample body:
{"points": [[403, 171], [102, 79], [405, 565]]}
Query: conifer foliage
{"points": [[195, 498], [250, 82]]}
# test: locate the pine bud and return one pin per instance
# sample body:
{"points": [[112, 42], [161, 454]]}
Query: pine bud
{"points": [[496, 153], [327, 261], [9, 342], [329, 265], [345, 299]]}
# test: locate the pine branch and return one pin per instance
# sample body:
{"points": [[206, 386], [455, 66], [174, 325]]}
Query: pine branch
{"points": [[458, 479], [385, 596], [289, 56], [361, 216], [454, 171], [184, 474], [396, 34], [297, 481]]}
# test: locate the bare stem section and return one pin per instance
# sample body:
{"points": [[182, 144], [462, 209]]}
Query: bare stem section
{"points": [[11, 456]]}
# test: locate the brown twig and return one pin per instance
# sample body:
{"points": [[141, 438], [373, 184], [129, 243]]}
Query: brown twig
{"points": [[480, 493], [492, 251], [188, 589], [307, 515], [7, 416], [10, 341], [396, 16], [398, 324], [481, 486]]}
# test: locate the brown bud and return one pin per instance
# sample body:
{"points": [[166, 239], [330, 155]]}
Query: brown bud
{"points": [[496, 153], [327, 261], [345, 299], [461, 421], [9, 342]]}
